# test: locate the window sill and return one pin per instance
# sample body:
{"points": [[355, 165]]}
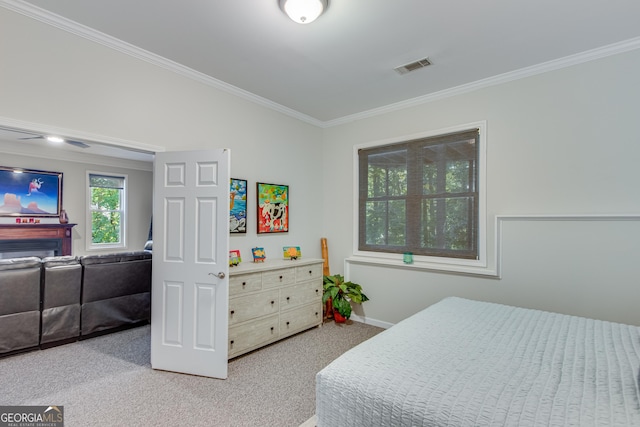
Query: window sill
{"points": [[423, 263], [105, 247], [471, 267]]}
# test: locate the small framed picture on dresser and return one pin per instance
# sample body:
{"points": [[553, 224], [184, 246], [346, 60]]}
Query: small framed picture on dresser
{"points": [[291, 252]]}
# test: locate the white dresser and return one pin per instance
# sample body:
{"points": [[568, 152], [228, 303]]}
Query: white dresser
{"points": [[272, 300]]}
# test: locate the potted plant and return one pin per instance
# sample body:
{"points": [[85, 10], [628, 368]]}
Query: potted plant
{"points": [[341, 294]]}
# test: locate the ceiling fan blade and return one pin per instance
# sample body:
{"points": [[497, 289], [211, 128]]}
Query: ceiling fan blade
{"points": [[77, 143]]}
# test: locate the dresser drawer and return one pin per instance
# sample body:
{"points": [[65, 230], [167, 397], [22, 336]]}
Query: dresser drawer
{"points": [[244, 283], [253, 306], [272, 300], [280, 277], [308, 272], [253, 335], [297, 295], [301, 318]]}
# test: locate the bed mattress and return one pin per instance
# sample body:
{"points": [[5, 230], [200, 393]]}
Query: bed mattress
{"points": [[469, 363]]}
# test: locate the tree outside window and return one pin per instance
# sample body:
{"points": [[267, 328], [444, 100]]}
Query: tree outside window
{"points": [[107, 209]]}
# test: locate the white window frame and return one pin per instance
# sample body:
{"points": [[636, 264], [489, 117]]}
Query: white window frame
{"points": [[90, 246], [456, 265]]}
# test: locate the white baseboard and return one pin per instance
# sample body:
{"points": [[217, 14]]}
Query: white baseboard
{"points": [[311, 422], [370, 321]]}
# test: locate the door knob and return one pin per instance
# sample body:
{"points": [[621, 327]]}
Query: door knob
{"points": [[219, 275]]}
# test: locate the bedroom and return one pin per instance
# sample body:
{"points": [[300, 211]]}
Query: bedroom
{"points": [[563, 142]]}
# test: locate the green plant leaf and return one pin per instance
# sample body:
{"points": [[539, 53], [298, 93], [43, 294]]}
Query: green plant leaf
{"points": [[342, 293], [343, 307]]}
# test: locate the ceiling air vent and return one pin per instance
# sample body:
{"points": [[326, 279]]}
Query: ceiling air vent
{"points": [[404, 69]]}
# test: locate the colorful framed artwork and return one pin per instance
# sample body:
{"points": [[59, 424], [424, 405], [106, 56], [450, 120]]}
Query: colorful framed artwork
{"points": [[291, 252], [238, 206], [273, 208], [234, 257], [258, 254], [34, 193]]}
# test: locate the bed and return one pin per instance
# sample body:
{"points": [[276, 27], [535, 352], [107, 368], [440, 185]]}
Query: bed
{"points": [[469, 363]]}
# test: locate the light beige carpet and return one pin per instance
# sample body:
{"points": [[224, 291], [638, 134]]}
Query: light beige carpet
{"points": [[108, 381]]}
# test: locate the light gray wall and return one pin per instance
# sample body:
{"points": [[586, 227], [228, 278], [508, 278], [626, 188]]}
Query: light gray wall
{"points": [[563, 142], [57, 79], [74, 169]]}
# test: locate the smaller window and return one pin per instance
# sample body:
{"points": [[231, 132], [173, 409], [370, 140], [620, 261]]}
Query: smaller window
{"points": [[107, 210]]}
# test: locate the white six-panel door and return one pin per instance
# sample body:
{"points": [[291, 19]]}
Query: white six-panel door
{"points": [[190, 290]]}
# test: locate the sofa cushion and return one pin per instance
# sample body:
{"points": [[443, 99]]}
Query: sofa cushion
{"points": [[23, 328], [19, 279], [60, 261], [62, 281], [60, 323], [111, 313], [116, 257], [20, 263], [110, 280]]}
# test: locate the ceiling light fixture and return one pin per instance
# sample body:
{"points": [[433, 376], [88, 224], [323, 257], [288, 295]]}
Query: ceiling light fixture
{"points": [[54, 139], [303, 11]]}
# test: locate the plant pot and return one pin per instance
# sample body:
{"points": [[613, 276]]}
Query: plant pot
{"points": [[328, 309], [339, 318]]}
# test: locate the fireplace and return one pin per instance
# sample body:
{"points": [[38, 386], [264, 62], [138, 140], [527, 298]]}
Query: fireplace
{"points": [[39, 240], [30, 247]]}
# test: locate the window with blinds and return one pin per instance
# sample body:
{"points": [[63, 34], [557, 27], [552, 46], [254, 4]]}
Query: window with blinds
{"points": [[421, 196], [107, 209]]}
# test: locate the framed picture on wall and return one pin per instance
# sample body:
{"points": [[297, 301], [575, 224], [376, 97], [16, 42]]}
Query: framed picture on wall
{"points": [[238, 206], [33, 193], [273, 208]]}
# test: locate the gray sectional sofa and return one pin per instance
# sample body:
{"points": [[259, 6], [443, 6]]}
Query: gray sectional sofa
{"points": [[56, 300]]}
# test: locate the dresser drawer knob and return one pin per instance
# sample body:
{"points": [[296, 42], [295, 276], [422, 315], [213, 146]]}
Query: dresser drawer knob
{"points": [[281, 278], [310, 272], [273, 302], [232, 342], [244, 284], [232, 312], [272, 329], [288, 298], [287, 323]]}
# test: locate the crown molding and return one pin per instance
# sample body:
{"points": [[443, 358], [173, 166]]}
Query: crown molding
{"points": [[136, 52], [93, 35], [557, 64]]}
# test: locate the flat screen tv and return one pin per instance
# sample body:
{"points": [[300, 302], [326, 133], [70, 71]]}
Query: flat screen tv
{"points": [[31, 193]]}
